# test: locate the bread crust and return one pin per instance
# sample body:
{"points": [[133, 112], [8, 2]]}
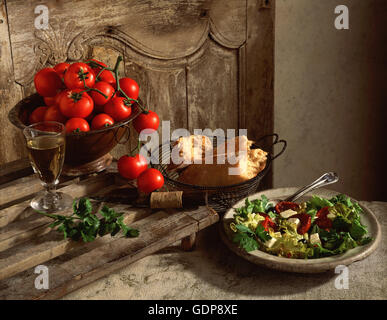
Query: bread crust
{"points": [[240, 164]]}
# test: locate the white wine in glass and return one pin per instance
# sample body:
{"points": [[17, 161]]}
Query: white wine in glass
{"points": [[46, 143]]}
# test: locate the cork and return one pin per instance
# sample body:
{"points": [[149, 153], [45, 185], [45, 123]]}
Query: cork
{"points": [[163, 200]]}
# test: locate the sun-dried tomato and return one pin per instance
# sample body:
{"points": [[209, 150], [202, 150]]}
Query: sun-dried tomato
{"points": [[305, 222], [286, 205], [322, 220], [267, 223]]}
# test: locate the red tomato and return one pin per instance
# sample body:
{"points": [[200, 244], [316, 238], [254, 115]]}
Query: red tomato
{"points": [[118, 108], [37, 115], [286, 205], [76, 104], [75, 74], [101, 121], [146, 120], [61, 68], [47, 82], [131, 167], [59, 96], [49, 101], [305, 222], [322, 220], [106, 89], [130, 87], [150, 180], [53, 114], [77, 125], [107, 76]]}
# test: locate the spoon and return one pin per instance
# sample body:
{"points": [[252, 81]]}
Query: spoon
{"points": [[324, 180]]}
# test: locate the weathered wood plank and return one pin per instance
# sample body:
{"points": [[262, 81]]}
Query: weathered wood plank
{"points": [[259, 111], [72, 272], [35, 225], [188, 243], [204, 218], [25, 187], [157, 22], [226, 22], [37, 251], [10, 93], [87, 186], [15, 169], [212, 89]]}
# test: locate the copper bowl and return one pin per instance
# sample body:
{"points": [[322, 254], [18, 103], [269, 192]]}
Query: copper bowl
{"points": [[83, 147]]}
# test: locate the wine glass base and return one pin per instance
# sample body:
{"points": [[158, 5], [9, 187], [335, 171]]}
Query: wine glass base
{"points": [[50, 202]]}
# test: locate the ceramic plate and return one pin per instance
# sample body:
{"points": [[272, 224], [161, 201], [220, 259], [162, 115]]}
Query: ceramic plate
{"points": [[302, 265]]}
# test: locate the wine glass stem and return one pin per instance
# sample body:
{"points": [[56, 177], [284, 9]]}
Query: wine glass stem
{"points": [[50, 194]]}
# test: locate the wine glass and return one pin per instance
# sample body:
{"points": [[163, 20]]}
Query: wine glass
{"points": [[46, 142]]}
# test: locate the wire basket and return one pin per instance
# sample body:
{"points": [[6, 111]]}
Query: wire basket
{"points": [[223, 197]]}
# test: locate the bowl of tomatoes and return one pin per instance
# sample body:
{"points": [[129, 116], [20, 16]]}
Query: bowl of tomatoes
{"points": [[95, 106]]}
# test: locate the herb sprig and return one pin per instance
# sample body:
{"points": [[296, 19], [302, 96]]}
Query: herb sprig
{"points": [[85, 225]]}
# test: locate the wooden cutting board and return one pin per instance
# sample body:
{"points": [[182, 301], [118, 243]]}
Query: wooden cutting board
{"points": [[26, 241]]}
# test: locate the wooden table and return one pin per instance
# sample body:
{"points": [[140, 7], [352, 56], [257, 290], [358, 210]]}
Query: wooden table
{"points": [[211, 271], [26, 240]]}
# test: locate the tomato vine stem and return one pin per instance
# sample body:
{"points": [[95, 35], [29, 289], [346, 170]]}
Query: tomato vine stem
{"points": [[94, 64]]}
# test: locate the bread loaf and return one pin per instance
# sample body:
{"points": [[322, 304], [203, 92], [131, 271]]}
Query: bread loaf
{"points": [[233, 162]]}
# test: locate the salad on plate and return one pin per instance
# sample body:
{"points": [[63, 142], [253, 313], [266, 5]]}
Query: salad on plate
{"points": [[312, 229]]}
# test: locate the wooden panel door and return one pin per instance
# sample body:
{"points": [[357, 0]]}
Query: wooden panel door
{"points": [[199, 63]]}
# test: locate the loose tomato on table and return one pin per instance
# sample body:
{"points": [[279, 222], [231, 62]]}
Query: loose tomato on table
{"points": [[101, 121], [76, 104], [37, 115], [150, 180], [53, 114], [77, 125], [286, 205], [131, 167], [130, 87], [118, 108], [61, 68], [47, 82], [148, 121], [79, 74], [106, 89]]}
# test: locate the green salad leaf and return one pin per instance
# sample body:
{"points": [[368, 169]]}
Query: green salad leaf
{"points": [[345, 233], [245, 241], [258, 205], [261, 233], [357, 230]]}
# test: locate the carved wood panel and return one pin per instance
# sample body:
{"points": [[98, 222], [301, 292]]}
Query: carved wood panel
{"points": [[189, 57]]}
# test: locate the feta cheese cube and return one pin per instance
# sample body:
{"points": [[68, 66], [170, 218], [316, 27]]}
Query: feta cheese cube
{"points": [[270, 243], [294, 220], [314, 239], [287, 213], [331, 216]]}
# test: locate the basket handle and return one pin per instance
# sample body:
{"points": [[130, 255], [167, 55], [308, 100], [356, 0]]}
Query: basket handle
{"points": [[276, 141], [282, 150]]}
